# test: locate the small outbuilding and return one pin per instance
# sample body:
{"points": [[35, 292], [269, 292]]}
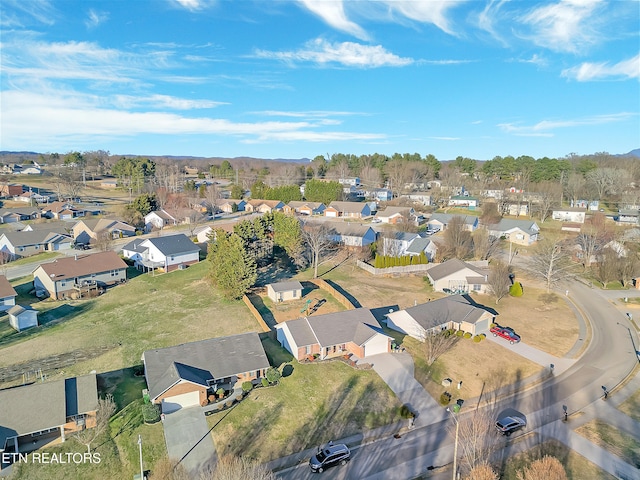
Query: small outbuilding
{"points": [[284, 291], [21, 318]]}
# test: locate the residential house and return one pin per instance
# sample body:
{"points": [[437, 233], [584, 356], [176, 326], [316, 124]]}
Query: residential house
{"points": [[354, 332], [110, 184], [229, 205], [395, 243], [159, 219], [396, 215], [203, 232], [21, 318], [352, 235], [70, 277], [457, 312], [517, 209], [186, 375], [307, 208], [170, 252], [61, 211], [354, 181], [348, 210], [423, 198], [31, 170], [26, 243], [283, 291], [440, 221], [263, 206], [493, 193], [87, 231], [520, 232], [35, 415], [7, 294], [628, 217], [9, 190], [463, 201], [20, 214], [380, 194], [573, 215], [456, 276], [32, 198], [422, 245]]}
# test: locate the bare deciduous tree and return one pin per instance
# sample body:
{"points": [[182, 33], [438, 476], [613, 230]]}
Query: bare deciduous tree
{"points": [[607, 270], [105, 409], [320, 246], [476, 438], [590, 241], [499, 280], [435, 344], [482, 472], [103, 241], [548, 197], [458, 242], [551, 263], [485, 246], [239, 468], [546, 468]]}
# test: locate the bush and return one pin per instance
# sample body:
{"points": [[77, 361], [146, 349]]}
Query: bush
{"points": [[459, 333], [150, 413], [478, 338], [265, 382], [273, 375], [247, 387], [466, 335], [229, 403], [516, 290], [405, 411], [445, 398], [220, 392]]}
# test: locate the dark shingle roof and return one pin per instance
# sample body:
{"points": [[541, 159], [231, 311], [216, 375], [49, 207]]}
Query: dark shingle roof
{"points": [[348, 207], [173, 244], [37, 237], [215, 358], [6, 290], [82, 265]]}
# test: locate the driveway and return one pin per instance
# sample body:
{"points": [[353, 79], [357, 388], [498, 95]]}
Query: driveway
{"points": [[535, 355], [186, 434], [396, 369]]}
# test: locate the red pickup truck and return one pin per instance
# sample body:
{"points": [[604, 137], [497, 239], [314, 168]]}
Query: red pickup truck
{"points": [[507, 333]]}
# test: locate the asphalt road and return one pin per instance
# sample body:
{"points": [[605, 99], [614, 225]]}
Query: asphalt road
{"points": [[608, 360]]}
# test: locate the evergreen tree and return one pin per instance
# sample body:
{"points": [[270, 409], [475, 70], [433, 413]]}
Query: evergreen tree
{"points": [[232, 269], [423, 258], [325, 192]]}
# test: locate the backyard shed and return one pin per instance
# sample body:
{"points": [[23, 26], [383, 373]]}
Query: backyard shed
{"points": [[21, 318], [283, 291]]}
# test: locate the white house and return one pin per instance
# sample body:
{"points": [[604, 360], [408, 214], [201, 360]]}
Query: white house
{"points": [[521, 232], [423, 198], [456, 276], [21, 318], [463, 201], [396, 215], [420, 245], [159, 219], [169, 253], [573, 215], [457, 312], [440, 221]]}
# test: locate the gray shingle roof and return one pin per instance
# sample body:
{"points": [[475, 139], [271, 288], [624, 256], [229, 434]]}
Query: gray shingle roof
{"points": [[451, 266], [173, 244], [215, 358], [286, 286], [509, 223], [356, 326], [40, 406], [349, 207], [38, 237], [134, 245], [445, 218], [456, 308], [418, 245]]}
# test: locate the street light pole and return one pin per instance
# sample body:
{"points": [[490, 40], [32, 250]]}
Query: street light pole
{"points": [[455, 445], [141, 467]]}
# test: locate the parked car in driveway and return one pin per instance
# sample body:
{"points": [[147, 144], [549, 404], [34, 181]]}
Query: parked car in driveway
{"points": [[81, 246], [329, 456], [508, 425], [505, 332]]}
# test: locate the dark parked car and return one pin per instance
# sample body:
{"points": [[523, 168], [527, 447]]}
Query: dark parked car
{"points": [[330, 456], [81, 246], [506, 333], [508, 425]]}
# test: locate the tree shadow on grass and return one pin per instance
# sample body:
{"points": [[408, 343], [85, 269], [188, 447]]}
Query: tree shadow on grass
{"points": [[266, 314], [276, 354], [350, 297], [123, 384]]}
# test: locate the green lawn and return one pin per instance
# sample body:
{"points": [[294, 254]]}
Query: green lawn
{"points": [[631, 406], [313, 404], [613, 440], [146, 312]]}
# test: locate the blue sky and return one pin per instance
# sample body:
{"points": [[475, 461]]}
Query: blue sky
{"points": [[292, 79]]}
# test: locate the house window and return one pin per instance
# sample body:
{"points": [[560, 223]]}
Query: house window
{"points": [[21, 249], [308, 350], [295, 293], [476, 287]]}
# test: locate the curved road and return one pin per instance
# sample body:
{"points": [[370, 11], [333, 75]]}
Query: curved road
{"points": [[607, 361]]}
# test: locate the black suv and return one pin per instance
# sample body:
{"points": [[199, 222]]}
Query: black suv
{"points": [[508, 425], [81, 246], [330, 456]]}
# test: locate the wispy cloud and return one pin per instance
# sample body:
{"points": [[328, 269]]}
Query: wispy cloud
{"points": [[162, 102], [566, 26], [447, 139], [95, 18], [333, 14], [20, 13], [307, 114], [535, 59], [489, 16], [433, 12], [349, 54], [543, 128], [598, 71], [193, 5]]}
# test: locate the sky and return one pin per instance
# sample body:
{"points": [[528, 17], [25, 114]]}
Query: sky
{"points": [[297, 79]]}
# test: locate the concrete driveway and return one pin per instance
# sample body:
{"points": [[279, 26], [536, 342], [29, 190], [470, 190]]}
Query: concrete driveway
{"points": [[535, 355], [186, 434], [396, 369]]}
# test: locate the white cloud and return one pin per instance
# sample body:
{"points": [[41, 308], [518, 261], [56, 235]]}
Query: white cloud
{"points": [[597, 71], [448, 139], [332, 12], [432, 11], [95, 18], [535, 60], [566, 26], [307, 114], [19, 13], [347, 53], [190, 4], [542, 128], [163, 101], [487, 19]]}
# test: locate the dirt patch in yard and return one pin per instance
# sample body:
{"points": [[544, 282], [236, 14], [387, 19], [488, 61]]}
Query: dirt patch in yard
{"points": [[314, 301]]}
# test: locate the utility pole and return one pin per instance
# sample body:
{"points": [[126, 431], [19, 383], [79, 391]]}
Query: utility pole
{"points": [[455, 446], [141, 467]]}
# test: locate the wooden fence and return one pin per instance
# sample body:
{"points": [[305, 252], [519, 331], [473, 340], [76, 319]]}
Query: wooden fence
{"points": [[406, 270], [256, 313], [335, 293]]}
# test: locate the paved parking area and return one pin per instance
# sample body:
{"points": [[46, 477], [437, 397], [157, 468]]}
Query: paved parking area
{"points": [[186, 434]]}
